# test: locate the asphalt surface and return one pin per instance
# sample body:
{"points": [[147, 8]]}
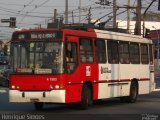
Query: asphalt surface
{"points": [[146, 106]]}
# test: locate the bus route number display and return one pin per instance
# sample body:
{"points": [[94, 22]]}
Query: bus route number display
{"points": [[40, 36], [37, 35]]}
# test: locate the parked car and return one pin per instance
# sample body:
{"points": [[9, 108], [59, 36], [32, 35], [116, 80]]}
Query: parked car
{"points": [[3, 60], [4, 77]]}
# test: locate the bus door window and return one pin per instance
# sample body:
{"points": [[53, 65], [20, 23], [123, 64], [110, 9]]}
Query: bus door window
{"points": [[71, 56], [86, 50]]}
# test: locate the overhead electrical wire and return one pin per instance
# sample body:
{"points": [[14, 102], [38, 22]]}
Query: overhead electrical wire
{"points": [[26, 6], [23, 14], [31, 12], [37, 6], [26, 14], [11, 4]]}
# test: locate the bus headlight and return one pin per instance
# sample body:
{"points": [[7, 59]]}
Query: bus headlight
{"points": [[57, 86], [13, 86]]}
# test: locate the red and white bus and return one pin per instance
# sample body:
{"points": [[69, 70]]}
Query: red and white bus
{"points": [[67, 65]]}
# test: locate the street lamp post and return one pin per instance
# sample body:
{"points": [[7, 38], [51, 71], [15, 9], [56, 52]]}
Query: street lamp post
{"points": [[157, 48]]}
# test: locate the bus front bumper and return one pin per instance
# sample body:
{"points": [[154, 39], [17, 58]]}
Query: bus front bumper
{"points": [[54, 96]]}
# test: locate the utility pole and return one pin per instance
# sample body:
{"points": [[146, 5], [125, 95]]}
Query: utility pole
{"points": [[66, 12], [128, 17], [144, 16], [80, 4], [72, 17], [89, 15], [114, 14], [55, 15], [138, 20]]}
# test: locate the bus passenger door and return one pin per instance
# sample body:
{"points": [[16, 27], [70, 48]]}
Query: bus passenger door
{"points": [[72, 77]]}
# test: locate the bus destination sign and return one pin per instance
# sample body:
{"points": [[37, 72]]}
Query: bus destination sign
{"points": [[37, 35], [40, 36]]}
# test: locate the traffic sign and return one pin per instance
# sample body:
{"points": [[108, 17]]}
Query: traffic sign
{"points": [[5, 20], [11, 21]]}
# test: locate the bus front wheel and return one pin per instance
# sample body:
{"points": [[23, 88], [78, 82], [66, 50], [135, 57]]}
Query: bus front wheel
{"points": [[86, 98]]}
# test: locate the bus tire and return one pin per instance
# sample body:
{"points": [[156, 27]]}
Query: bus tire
{"points": [[133, 92], [38, 105], [86, 97]]}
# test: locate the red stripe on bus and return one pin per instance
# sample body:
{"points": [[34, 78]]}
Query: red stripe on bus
{"points": [[110, 81], [144, 79]]}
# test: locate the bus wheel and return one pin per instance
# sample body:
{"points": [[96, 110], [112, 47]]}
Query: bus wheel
{"points": [[38, 105], [133, 93], [86, 98]]}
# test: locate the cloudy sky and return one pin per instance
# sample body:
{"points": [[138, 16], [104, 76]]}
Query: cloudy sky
{"points": [[29, 13]]}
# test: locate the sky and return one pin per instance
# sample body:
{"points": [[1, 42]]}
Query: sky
{"points": [[31, 13]]}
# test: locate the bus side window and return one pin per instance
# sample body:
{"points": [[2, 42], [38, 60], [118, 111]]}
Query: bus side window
{"points": [[100, 51], [124, 53], [144, 54], [134, 53], [112, 47], [71, 56]]}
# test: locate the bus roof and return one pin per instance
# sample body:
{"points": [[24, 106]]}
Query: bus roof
{"points": [[36, 30], [104, 34], [121, 36]]}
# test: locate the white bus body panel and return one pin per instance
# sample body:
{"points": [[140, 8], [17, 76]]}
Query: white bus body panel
{"points": [[57, 96], [124, 73]]}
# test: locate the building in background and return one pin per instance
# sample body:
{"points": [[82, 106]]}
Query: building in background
{"points": [[151, 25], [155, 36]]}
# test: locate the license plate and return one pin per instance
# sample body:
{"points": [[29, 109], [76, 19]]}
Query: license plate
{"points": [[34, 100]]}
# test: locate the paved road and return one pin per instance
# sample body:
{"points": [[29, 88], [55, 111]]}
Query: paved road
{"points": [[146, 104]]}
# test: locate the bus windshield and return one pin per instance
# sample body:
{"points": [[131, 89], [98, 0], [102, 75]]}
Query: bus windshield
{"points": [[37, 57]]}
